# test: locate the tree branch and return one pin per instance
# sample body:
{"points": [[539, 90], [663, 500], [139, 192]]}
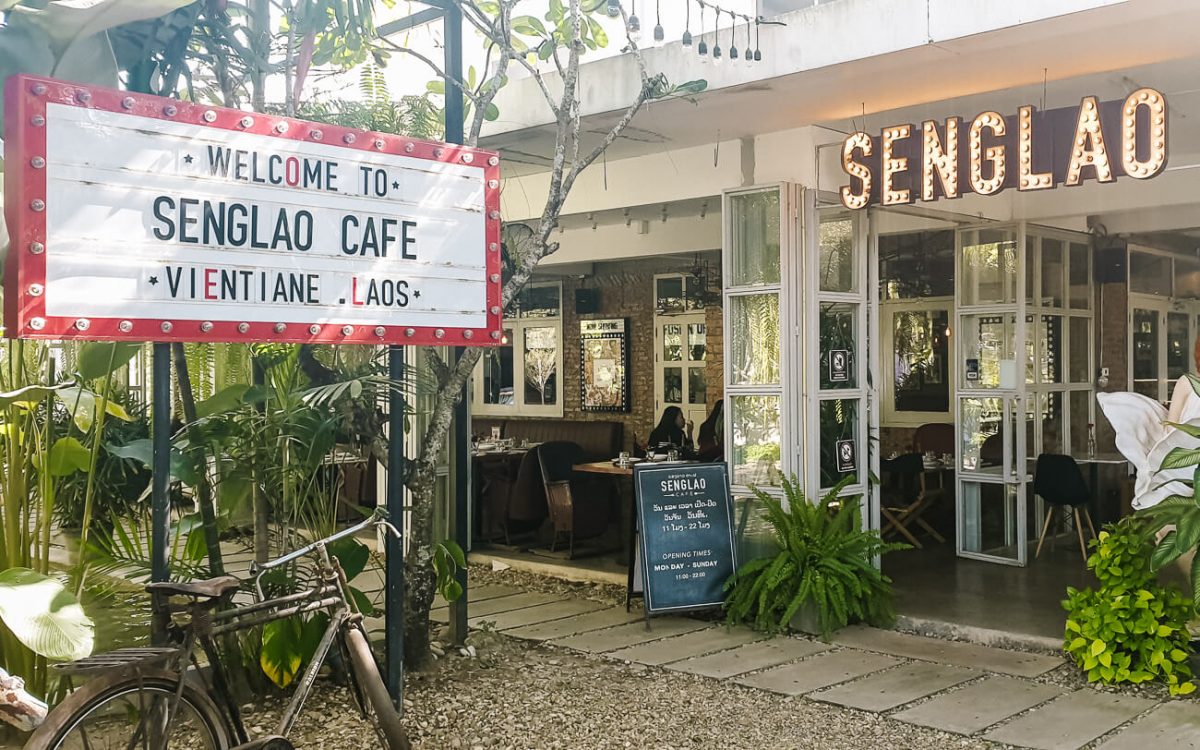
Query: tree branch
{"points": [[466, 90], [433, 360]]}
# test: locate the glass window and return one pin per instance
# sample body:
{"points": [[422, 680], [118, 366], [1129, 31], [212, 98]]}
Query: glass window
{"points": [[989, 261], [1050, 349], [839, 342], [754, 341], [1050, 411], [755, 234], [498, 371], [1081, 421], [697, 385], [1187, 278], [673, 385], [675, 294], [988, 349], [920, 360], [1080, 274], [672, 342], [1179, 350], [837, 255], [916, 264], [541, 302], [541, 365], [756, 439], [1149, 274], [1080, 341], [697, 342], [1145, 352], [1053, 267], [840, 454], [980, 433]]}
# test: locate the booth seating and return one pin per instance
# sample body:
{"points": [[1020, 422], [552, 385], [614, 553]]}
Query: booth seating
{"points": [[514, 502], [935, 438]]}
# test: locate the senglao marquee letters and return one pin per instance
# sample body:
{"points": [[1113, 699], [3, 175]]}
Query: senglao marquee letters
{"points": [[1030, 150]]}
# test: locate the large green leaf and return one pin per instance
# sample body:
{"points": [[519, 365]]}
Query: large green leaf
{"points": [[44, 616], [1181, 458], [142, 451], [352, 555], [280, 657], [226, 400], [98, 359], [68, 456], [81, 403]]}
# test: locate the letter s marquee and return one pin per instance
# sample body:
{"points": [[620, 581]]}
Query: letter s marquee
{"points": [[120, 206]]}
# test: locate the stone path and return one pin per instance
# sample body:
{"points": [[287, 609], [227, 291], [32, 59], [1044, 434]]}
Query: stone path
{"points": [[979, 692]]}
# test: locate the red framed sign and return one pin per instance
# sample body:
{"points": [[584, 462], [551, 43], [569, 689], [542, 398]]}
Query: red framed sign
{"points": [[141, 218]]}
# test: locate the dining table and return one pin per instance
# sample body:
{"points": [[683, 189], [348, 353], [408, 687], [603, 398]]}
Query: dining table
{"points": [[489, 464]]}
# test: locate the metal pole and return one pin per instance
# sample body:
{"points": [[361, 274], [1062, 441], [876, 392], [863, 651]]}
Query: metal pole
{"points": [[394, 608], [160, 498], [461, 452]]}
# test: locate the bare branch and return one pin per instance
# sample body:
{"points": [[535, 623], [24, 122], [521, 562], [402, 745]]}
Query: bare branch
{"points": [[466, 90], [441, 372]]}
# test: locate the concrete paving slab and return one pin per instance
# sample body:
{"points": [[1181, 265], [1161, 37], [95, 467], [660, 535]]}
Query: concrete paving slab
{"points": [[497, 605], [771, 653], [1171, 726], [977, 707], [884, 691], [518, 618], [624, 636], [967, 655], [818, 672], [1071, 721], [480, 594], [696, 643], [548, 631]]}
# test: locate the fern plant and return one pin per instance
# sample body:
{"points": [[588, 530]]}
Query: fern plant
{"points": [[826, 560]]}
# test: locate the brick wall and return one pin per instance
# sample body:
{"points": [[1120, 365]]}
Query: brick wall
{"points": [[627, 291]]}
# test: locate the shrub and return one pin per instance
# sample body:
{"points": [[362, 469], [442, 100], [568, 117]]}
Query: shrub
{"points": [[1131, 629], [825, 560]]}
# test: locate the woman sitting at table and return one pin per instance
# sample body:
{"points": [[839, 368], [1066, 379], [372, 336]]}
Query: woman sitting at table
{"points": [[712, 435], [673, 431]]}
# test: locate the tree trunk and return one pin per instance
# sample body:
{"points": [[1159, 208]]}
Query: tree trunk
{"points": [[208, 511]]}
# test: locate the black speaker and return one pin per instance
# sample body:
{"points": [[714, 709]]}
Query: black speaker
{"points": [[1112, 260], [587, 301]]}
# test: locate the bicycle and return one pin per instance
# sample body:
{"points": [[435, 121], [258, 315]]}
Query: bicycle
{"points": [[147, 698]]}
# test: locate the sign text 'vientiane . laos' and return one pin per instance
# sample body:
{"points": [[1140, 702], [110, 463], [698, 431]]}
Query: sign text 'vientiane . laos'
{"points": [[142, 218]]}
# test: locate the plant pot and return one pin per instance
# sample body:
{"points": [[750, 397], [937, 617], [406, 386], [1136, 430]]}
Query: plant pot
{"points": [[807, 619]]}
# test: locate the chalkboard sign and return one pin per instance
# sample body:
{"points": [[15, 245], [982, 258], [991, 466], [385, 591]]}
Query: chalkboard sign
{"points": [[685, 519]]}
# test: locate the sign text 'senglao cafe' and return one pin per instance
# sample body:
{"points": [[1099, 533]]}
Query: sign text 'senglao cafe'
{"points": [[142, 218], [1030, 150]]}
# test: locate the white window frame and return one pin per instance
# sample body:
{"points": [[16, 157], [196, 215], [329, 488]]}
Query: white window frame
{"points": [[893, 417], [519, 408]]}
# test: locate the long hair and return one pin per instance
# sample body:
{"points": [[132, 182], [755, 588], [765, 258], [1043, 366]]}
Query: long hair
{"points": [[709, 427], [668, 422]]}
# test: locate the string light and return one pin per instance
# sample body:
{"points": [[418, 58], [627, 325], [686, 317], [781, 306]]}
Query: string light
{"points": [[687, 24], [733, 53], [716, 50], [614, 8], [635, 26], [749, 57], [658, 29], [757, 54], [702, 48]]}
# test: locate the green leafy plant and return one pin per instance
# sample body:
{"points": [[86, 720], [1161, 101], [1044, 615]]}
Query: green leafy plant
{"points": [[448, 559], [826, 560], [1131, 629]]}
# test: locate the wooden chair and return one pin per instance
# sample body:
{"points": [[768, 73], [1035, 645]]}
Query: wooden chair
{"points": [[575, 510], [903, 499]]}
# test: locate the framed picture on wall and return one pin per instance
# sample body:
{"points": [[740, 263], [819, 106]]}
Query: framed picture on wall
{"points": [[604, 364]]}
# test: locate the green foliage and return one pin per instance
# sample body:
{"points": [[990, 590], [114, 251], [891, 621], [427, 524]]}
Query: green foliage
{"points": [[39, 611], [448, 559], [1131, 629], [826, 560]]}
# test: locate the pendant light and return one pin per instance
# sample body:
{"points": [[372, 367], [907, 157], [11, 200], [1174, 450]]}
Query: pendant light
{"points": [[733, 52], [716, 50], [687, 23], [702, 47], [635, 26], [757, 54], [614, 8], [749, 57], [658, 29]]}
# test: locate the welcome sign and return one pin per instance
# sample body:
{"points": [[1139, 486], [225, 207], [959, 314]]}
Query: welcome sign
{"points": [[143, 218]]}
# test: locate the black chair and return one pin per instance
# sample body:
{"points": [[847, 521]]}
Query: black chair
{"points": [[903, 499], [577, 509], [1058, 480]]}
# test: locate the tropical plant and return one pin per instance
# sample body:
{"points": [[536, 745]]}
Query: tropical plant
{"points": [[825, 561], [1131, 629]]}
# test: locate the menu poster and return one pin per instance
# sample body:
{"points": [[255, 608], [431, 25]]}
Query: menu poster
{"points": [[685, 516]]}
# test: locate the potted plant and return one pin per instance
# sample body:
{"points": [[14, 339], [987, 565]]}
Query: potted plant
{"points": [[823, 575]]}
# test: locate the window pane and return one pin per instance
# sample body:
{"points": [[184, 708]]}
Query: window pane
{"points": [[1149, 274], [756, 439], [989, 260], [1053, 267], [697, 342], [1179, 351], [980, 433], [672, 385], [697, 386], [754, 341], [1081, 424], [987, 347], [989, 522], [669, 294], [918, 264], [1050, 411], [839, 342], [498, 372], [840, 454], [673, 342], [754, 257], [1050, 349], [837, 255], [541, 365], [1187, 278], [1080, 273], [1081, 337], [541, 302], [920, 346], [1145, 353]]}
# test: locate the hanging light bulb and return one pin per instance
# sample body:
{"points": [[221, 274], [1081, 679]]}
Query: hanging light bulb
{"points": [[733, 52], [702, 47], [658, 29], [635, 26], [614, 8], [716, 50], [749, 57], [757, 54], [687, 24]]}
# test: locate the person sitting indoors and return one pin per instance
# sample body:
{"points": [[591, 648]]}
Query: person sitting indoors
{"points": [[712, 435], [673, 431]]}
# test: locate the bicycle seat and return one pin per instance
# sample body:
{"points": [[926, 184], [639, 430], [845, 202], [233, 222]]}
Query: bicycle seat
{"points": [[210, 589]]}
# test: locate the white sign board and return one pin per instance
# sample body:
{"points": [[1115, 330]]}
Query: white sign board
{"points": [[145, 218]]}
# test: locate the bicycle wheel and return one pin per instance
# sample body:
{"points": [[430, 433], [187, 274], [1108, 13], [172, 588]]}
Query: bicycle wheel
{"points": [[124, 711], [378, 704]]}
